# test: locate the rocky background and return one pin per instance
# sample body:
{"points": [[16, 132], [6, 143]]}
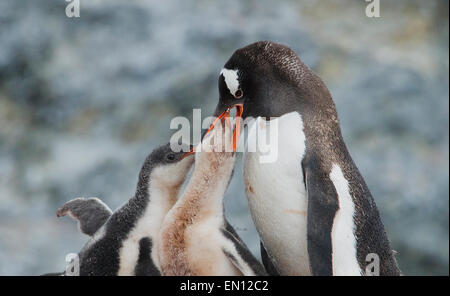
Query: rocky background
{"points": [[83, 101]]}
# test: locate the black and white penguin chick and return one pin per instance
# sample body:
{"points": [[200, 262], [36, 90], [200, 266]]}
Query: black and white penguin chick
{"points": [[126, 242], [195, 238], [311, 206]]}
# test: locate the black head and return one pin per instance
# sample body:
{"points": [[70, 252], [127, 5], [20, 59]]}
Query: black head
{"points": [[269, 80], [164, 155], [166, 167]]}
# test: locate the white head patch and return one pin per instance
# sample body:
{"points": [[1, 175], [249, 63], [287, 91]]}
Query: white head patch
{"points": [[231, 79]]}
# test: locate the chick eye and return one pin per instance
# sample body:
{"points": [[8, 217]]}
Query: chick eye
{"points": [[170, 157], [238, 94]]}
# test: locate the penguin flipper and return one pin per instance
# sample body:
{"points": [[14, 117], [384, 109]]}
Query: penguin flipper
{"points": [[241, 257], [267, 261], [90, 213], [230, 229], [322, 207]]}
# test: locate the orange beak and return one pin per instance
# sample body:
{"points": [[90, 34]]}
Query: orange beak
{"points": [[226, 116]]}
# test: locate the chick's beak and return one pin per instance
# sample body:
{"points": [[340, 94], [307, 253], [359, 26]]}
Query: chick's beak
{"points": [[222, 113]]}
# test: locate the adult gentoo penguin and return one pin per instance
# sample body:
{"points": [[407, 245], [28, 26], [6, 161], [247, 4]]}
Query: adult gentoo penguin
{"points": [[126, 242], [313, 210], [195, 238]]}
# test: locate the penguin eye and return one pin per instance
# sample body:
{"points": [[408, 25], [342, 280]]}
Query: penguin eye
{"points": [[170, 157], [238, 94]]}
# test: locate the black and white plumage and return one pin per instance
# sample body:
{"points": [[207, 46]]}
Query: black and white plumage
{"points": [[195, 237], [125, 244], [311, 206]]}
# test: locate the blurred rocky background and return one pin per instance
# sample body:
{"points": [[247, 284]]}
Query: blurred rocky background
{"points": [[83, 101]]}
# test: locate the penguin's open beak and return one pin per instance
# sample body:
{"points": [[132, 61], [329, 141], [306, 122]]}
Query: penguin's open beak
{"points": [[225, 115], [222, 113]]}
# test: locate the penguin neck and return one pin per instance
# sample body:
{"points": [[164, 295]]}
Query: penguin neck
{"points": [[142, 196], [204, 194], [323, 133], [317, 111], [154, 196]]}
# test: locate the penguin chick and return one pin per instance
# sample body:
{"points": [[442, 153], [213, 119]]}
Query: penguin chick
{"points": [[126, 242], [195, 238]]}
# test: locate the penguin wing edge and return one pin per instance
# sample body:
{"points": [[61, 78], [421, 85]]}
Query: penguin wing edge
{"points": [[322, 207], [90, 213], [241, 257], [267, 261]]}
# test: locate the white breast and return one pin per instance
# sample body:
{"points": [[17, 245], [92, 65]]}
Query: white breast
{"points": [[343, 239], [205, 244], [147, 226], [276, 193]]}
